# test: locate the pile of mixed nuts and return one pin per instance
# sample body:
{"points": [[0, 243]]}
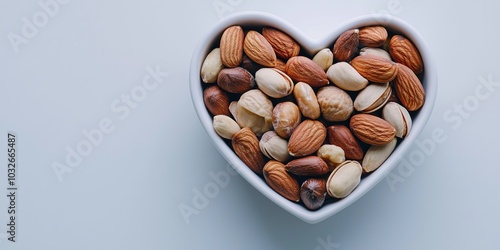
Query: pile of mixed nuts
{"points": [[312, 127]]}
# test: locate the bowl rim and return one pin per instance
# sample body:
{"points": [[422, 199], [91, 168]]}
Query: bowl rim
{"points": [[258, 18]]}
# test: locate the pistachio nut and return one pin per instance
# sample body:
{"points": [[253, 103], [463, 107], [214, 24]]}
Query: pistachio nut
{"points": [[254, 110], [274, 147], [257, 102], [373, 97], [245, 118], [344, 179], [273, 82], [399, 117]]}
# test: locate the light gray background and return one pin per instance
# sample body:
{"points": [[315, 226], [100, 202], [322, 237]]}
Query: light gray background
{"points": [[125, 194]]}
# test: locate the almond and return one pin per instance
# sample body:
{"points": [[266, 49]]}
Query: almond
{"points": [[235, 80], [257, 48], [231, 46], [280, 65], [409, 89], [280, 181], [404, 51], [303, 69], [246, 146], [284, 46], [372, 36], [346, 46], [341, 136], [372, 129], [307, 166], [375, 69], [216, 100], [306, 138]]}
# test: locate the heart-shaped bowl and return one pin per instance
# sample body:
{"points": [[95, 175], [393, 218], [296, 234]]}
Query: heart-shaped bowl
{"points": [[259, 19]]}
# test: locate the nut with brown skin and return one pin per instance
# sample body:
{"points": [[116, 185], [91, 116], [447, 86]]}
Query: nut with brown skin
{"points": [[341, 136], [231, 45], [403, 51], [307, 166], [372, 129], [372, 36], [280, 65], [257, 48], [246, 146], [374, 68], [303, 69], [235, 80], [284, 46], [306, 138], [313, 193], [274, 147], [346, 46], [250, 65], [409, 89], [216, 100], [280, 181]]}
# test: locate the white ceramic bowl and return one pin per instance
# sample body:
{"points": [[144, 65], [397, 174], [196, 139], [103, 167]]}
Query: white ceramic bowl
{"points": [[210, 40]]}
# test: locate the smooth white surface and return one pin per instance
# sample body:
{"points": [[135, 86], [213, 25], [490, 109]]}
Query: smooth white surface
{"points": [[126, 193]]}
